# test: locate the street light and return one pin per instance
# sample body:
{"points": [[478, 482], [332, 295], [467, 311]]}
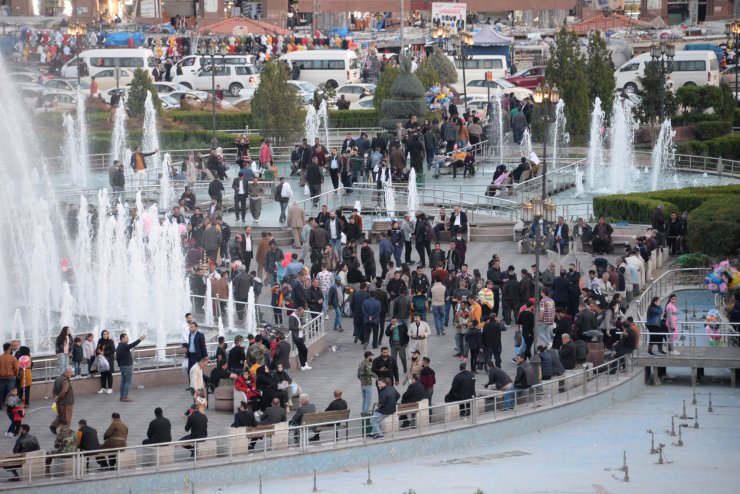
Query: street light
{"points": [[663, 54], [548, 97], [732, 30], [213, 55], [460, 42]]}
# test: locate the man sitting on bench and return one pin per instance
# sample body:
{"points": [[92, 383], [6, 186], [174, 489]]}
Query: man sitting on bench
{"points": [[302, 410], [523, 166]]}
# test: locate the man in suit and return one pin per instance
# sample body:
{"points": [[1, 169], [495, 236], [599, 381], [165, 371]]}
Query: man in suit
{"points": [[462, 388], [458, 221], [196, 346], [240, 196], [413, 394], [296, 221], [560, 236], [274, 413], [338, 403], [305, 408], [371, 321], [348, 143], [160, 429]]}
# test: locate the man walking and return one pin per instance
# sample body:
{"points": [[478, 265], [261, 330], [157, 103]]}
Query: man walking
{"points": [[296, 222], [255, 191], [240, 196], [545, 318], [126, 364], [398, 335], [283, 194], [297, 334], [64, 396]]}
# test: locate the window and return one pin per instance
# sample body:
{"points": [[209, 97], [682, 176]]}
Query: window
{"points": [[188, 62], [335, 65], [104, 73], [477, 83], [689, 66], [245, 70], [714, 66], [353, 64], [633, 67]]}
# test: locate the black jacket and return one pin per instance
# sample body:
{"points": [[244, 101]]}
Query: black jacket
{"points": [[237, 356], [89, 440], [273, 415], [414, 393], [390, 365], [568, 355], [463, 386], [244, 419], [160, 431], [200, 346], [492, 334], [197, 425], [313, 174], [387, 398], [337, 404], [123, 353], [403, 333]]}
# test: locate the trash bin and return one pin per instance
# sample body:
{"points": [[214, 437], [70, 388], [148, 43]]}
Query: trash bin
{"points": [[420, 179], [269, 175], [367, 428]]}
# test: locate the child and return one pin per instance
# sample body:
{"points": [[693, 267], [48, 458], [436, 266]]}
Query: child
{"points": [[15, 413], [77, 356], [88, 352], [277, 304]]}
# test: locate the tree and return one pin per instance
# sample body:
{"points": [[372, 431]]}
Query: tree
{"points": [[406, 97], [385, 81], [140, 86], [566, 69], [276, 107], [443, 65], [600, 72], [652, 97], [427, 74]]}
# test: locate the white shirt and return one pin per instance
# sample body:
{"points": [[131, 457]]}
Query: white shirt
{"points": [[185, 333], [241, 187], [248, 243], [196, 377], [286, 191], [457, 220], [333, 228], [300, 324]]}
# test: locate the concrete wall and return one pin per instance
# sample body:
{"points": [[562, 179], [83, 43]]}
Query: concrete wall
{"points": [[215, 472]]}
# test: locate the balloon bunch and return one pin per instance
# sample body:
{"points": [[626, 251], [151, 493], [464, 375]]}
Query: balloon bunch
{"points": [[724, 276], [712, 328], [438, 96]]}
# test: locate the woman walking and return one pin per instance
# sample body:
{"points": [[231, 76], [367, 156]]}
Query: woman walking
{"points": [[671, 312], [106, 349], [654, 315]]}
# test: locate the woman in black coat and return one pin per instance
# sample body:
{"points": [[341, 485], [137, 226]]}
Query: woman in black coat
{"points": [[526, 321], [107, 349]]}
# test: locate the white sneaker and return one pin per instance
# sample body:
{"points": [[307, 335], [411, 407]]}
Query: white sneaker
{"points": [[8, 434], [673, 352], [102, 390], [305, 368], [109, 391]]}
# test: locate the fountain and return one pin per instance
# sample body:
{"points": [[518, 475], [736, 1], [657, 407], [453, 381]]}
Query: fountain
{"points": [[231, 308], [251, 322], [208, 303], [150, 136], [119, 145], [664, 154], [390, 197], [560, 136], [525, 147], [621, 164], [314, 122], [19, 327], [221, 326], [68, 306], [413, 194], [596, 144], [75, 145], [166, 192], [579, 182], [499, 123]]}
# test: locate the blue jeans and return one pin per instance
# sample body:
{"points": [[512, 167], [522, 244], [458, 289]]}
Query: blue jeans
{"points": [[438, 311], [78, 368], [448, 307], [283, 207], [367, 397], [5, 386], [375, 421], [460, 344], [436, 164], [63, 360], [397, 251], [509, 397], [127, 373], [336, 244], [337, 317]]}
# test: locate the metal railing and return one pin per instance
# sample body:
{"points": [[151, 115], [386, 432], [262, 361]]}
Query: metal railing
{"points": [[711, 165], [291, 440], [691, 344], [665, 283], [558, 178], [152, 358]]}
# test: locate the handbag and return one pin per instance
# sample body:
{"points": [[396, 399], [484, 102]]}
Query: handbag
{"points": [[101, 364]]}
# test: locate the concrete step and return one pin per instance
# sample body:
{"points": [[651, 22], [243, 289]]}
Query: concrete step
{"points": [[474, 237]]}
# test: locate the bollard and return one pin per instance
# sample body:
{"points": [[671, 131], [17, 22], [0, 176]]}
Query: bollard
{"points": [[653, 451], [260, 484], [696, 418], [660, 452], [683, 415], [369, 480], [315, 488], [626, 474], [680, 438], [710, 404], [673, 427], [693, 402]]}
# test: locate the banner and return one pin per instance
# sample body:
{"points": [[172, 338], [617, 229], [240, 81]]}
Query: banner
{"points": [[452, 15], [147, 9]]}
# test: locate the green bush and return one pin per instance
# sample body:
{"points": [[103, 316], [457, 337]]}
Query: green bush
{"points": [[714, 214], [344, 119], [710, 130], [692, 118], [224, 120], [736, 119], [100, 142], [714, 228], [726, 147]]}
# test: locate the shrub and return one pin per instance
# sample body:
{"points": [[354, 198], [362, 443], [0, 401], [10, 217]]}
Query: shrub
{"points": [[695, 260], [224, 119], [714, 227], [137, 93], [727, 146], [692, 117], [629, 207], [405, 98], [710, 130], [343, 119]]}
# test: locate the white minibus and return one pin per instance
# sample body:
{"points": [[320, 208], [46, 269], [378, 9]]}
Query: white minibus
{"points": [[690, 68], [103, 59], [333, 67]]}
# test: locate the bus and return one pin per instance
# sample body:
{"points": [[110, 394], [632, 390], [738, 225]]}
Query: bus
{"points": [[193, 63], [103, 59], [690, 68], [477, 66], [333, 67]]}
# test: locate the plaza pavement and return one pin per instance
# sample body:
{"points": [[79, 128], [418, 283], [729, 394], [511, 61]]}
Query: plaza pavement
{"points": [[333, 369]]}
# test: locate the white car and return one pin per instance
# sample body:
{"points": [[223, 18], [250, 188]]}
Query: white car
{"points": [[171, 87], [69, 85], [27, 83], [363, 104], [53, 102], [191, 97], [168, 102], [355, 92], [106, 79], [231, 78], [304, 87], [480, 87]]}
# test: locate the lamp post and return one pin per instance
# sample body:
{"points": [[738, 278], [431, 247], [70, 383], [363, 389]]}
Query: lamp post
{"points": [[663, 54], [460, 42], [732, 30], [213, 91], [547, 97]]}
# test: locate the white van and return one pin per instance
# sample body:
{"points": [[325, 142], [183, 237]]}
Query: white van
{"points": [[103, 59], [333, 67], [193, 63], [477, 66], [690, 68]]}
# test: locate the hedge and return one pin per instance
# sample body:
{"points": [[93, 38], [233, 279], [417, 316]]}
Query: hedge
{"points": [[712, 129], [726, 147], [345, 119], [693, 117], [225, 120], [714, 213], [100, 142]]}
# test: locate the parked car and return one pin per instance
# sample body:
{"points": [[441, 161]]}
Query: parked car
{"points": [[168, 102], [106, 79], [56, 102], [304, 87], [58, 84], [191, 97], [27, 83], [480, 87], [727, 76], [231, 78], [356, 91], [363, 104], [170, 87], [529, 78]]}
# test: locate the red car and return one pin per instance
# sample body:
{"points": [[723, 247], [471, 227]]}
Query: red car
{"points": [[529, 78]]}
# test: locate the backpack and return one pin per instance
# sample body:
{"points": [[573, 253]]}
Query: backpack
{"points": [[429, 231]]}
